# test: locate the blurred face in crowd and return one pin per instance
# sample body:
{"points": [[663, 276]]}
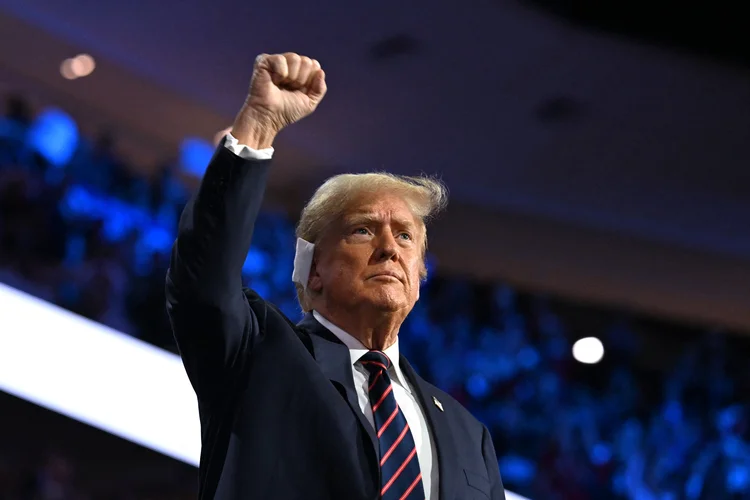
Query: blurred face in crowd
{"points": [[371, 257]]}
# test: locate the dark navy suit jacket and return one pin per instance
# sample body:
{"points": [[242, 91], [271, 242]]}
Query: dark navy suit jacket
{"points": [[278, 408]]}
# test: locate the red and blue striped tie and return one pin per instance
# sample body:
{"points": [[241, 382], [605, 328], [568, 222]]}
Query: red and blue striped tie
{"points": [[401, 478]]}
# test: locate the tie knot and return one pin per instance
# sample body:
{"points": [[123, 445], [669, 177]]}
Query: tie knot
{"points": [[375, 361]]}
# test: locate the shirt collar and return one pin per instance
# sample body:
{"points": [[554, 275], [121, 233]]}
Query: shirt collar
{"points": [[357, 349]]}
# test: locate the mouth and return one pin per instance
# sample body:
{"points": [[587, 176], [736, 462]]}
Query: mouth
{"points": [[386, 276]]}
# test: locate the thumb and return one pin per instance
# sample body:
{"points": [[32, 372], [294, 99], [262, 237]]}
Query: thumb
{"points": [[262, 74], [261, 80], [318, 87]]}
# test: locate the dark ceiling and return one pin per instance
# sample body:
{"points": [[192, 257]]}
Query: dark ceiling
{"points": [[713, 30]]}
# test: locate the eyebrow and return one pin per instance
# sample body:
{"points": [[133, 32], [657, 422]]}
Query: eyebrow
{"points": [[365, 217]]}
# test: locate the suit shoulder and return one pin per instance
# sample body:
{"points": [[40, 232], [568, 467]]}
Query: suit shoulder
{"points": [[263, 308], [271, 318]]}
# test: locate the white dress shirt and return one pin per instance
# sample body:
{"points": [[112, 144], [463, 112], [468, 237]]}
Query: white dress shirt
{"points": [[233, 145], [405, 398], [402, 390]]}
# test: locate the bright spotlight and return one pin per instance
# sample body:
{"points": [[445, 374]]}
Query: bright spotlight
{"points": [[588, 350], [66, 70], [77, 67], [83, 64]]}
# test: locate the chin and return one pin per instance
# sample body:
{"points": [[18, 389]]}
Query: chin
{"points": [[389, 302]]}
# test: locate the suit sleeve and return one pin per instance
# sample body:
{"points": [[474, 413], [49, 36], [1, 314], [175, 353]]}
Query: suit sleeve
{"points": [[493, 469], [211, 320]]}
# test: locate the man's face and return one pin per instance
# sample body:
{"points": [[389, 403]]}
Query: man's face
{"points": [[371, 257]]}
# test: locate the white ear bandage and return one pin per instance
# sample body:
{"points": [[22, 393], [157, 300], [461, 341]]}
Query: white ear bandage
{"points": [[303, 258]]}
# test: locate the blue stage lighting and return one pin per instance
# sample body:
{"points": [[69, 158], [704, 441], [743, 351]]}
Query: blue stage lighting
{"points": [[195, 154], [54, 135]]}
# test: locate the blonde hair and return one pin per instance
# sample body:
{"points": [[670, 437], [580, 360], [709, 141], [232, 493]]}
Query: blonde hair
{"points": [[425, 196]]}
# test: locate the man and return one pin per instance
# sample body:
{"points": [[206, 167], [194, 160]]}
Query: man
{"points": [[325, 409]]}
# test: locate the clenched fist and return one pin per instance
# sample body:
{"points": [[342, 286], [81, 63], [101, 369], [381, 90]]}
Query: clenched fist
{"points": [[284, 89]]}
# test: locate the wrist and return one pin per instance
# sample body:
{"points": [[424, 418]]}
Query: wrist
{"points": [[254, 130]]}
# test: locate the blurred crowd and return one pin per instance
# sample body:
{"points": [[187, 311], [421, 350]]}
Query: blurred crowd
{"points": [[662, 417], [53, 475]]}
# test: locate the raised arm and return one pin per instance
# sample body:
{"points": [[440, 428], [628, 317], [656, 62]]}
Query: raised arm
{"points": [[212, 322]]}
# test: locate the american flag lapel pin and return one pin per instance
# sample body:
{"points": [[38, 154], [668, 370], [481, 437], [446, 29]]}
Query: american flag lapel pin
{"points": [[437, 403]]}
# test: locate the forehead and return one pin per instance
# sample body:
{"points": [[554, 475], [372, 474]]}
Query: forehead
{"points": [[380, 207]]}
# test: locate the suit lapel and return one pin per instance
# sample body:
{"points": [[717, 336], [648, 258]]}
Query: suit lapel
{"points": [[441, 432], [333, 359]]}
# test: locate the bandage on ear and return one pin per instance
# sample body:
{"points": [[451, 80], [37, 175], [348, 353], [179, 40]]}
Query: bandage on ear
{"points": [[303, 258]]}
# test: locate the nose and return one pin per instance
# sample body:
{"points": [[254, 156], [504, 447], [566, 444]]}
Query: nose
{"points": [[387, 248]]}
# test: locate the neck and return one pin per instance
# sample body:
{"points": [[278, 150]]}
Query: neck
{"points": [[375, 329]]}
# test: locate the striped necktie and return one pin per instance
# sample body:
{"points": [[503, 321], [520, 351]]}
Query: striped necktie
{"points": [[401, 478]]}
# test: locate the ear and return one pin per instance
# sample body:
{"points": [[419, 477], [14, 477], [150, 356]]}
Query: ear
{"points": [[314, 282]]}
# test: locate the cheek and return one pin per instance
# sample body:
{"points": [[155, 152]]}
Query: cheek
{"points": [[341, 270], [415, 270]]}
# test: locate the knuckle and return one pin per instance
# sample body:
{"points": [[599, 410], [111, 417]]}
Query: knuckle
{"points": [[279, 65]]}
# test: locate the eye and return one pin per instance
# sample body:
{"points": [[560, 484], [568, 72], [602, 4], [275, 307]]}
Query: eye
{"points": [[405, 236], [361, 230]]}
